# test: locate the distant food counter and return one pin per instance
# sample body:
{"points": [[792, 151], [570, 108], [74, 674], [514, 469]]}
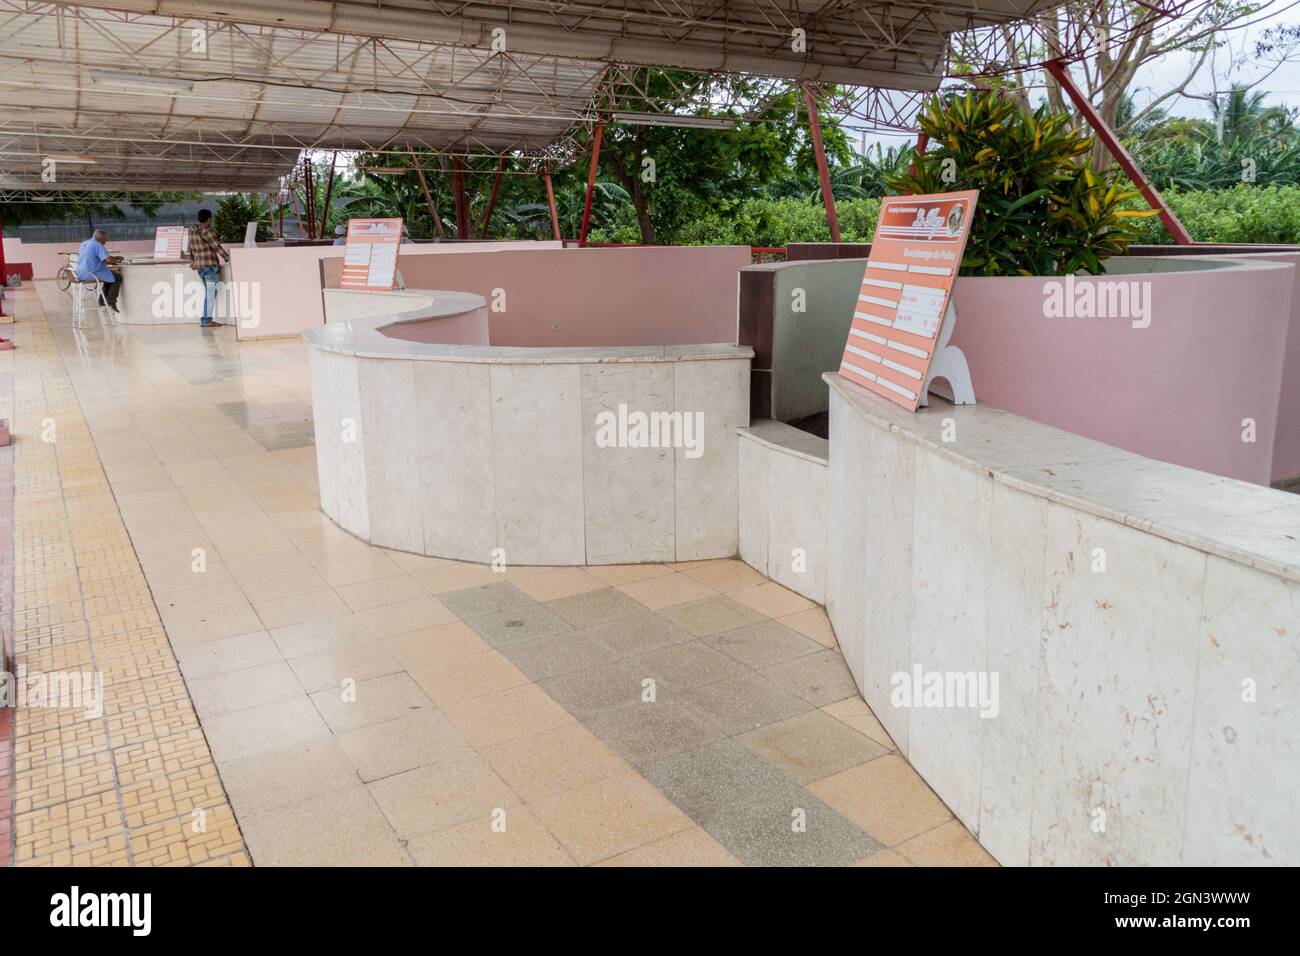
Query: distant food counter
{"points": [[165, 292]]}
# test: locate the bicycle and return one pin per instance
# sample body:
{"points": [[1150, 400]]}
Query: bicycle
{"points": [[66, 277]]}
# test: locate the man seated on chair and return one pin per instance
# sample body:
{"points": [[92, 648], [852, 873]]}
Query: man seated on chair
{"points": [[206, 254], [94, 262]]}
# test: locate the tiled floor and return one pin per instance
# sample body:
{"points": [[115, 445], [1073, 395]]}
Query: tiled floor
{"points": [[370, 707]]}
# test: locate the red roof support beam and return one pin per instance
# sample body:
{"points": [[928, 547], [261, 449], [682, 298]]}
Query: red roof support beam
{"points": [[492, 199], [823, 171], [459, 197], [550, 200], [325, 207], [598, 131], [4, 279], [1061, 73], [922, 142]]}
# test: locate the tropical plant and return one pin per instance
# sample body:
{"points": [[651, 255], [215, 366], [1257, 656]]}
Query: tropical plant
{"points": [[233, 214], [1041, 210]]}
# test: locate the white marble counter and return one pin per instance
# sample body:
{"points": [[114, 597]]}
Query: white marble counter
{"points": [[477, 452], [165, 292], [1141, 622]]}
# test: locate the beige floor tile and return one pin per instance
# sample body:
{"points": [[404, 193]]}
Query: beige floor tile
{"points": [[614, 574], [406, 616], [381, 591], [690, 847], [454, 576], [813, 623], [238, 690], [340, 573], [558, 583], [609, 816], [297, 608], [883, 858], [277, 726], [512, 837], [396, 746], [359, 660], [507, 714], [563, 758], [196, 627], [666, 590], [370, 702], [416, 649], [771, 599], [226, 654], [885, 797], [205, 597], [947, 845], [319, 635], [726, 576], [441, 795], [462, 678], [280, 777], [855, 712], [344, 828]]}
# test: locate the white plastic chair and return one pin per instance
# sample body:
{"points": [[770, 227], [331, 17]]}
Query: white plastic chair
{"points": [[96, 288]]}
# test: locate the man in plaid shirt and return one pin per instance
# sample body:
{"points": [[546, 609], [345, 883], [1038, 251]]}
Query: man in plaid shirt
{"points": [[206, 254]]}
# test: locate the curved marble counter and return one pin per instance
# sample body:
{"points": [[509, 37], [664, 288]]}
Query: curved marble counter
{"points": [[1135, 627], [530, 455], [168, 292]]}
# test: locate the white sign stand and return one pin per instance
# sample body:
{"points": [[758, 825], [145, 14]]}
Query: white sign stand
{"points": [[949, 364]]}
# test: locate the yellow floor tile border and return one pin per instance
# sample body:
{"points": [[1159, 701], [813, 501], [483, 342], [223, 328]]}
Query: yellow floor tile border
{"points": [[135, 784]]}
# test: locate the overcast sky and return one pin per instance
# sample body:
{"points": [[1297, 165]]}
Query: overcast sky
{"points": [[1158, 76]]}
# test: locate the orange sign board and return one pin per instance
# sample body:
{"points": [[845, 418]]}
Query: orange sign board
{"points": [[169, 242], [906, 286], [370, 258]]}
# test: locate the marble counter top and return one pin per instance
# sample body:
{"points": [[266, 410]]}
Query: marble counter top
{"points": [[1250, 524], [364, 337]]}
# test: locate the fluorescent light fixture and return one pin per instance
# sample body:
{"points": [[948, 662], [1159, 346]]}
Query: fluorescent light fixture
{"points": [[387, 170], [78, 160], [673, 119], [169, 82]]}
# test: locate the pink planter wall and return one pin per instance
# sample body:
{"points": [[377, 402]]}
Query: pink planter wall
{"points": [[663, 295], [48, 257], [1178, 390]]}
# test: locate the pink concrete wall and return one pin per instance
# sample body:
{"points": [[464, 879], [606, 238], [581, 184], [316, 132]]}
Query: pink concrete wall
{"points": [[48, 257], [661, 295], [1178, 390], [289, 279]]}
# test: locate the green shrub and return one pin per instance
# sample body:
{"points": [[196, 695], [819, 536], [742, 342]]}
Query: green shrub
{"points": [[1244, 213], [1041, 210]]}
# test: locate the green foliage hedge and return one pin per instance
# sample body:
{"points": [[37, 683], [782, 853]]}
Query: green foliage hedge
{"points": [[1244, 213]]}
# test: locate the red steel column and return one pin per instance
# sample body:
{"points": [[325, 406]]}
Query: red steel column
{"points": [[550, 200], [1061, 73], [492, 199], [325, 207], [922, 141], [823, 172], [3, 278], [597, 132], [458, 194]]}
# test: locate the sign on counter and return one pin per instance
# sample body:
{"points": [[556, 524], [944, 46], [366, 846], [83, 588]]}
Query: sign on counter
{"points": [[370, 258], [170, 242], [906, 286]]}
